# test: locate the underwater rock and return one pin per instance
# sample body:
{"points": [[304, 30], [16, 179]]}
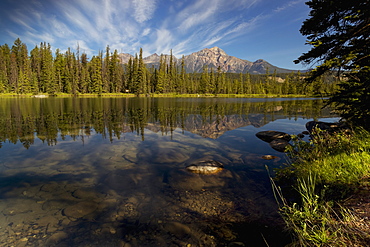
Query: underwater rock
{"points": [[279, 144], [268, 157], [80, 209], [270, 135], [56, 238], [205, 167]]}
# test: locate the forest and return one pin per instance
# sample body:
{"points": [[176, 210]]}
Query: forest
{"points": [[71, 72]]}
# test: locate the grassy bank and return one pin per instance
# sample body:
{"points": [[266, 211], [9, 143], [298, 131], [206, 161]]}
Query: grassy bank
{"points": [[324, 172], [164, 95]]}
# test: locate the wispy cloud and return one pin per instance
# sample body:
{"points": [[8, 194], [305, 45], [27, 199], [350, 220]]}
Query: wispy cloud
{"points": [[129, 25], [196, 14], [144, 10], [288, 5]]}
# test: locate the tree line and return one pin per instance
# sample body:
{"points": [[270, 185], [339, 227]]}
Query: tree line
{"points": [[39, 71]]}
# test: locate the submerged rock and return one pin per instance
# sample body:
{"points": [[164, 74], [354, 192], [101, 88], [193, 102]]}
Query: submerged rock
{"points": [[270, 135], [279, 145], [80, 209], [205, 167], [268, 157], [330, 127]]}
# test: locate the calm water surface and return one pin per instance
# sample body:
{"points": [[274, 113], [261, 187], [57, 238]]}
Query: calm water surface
{"points": [[111, 171]]}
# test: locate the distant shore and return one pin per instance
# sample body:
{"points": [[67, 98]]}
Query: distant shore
{"points": [[160, 95]]}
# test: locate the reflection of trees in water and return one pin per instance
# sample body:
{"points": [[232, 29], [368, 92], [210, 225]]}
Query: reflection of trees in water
{"points": [[24, 119]]}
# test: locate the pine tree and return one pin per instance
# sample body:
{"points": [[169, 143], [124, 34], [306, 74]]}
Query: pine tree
{"points": [[161, 75], [130, 74], [182, 80], [204, 81], [96, 74], [59, 67], [115, 73], [4, 68], [106, 72], [135, 76], [338, 32], [248, 84], [141, 75], [84, 75]]}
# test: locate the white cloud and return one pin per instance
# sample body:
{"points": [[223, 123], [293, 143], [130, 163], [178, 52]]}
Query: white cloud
{"points": [[163, 42], [124, 25], [60, 29], [146, 32], [196, 14], [287, 5], [144, 9], [212, 41]]}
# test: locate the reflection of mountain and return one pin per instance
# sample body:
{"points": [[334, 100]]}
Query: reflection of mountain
{"points": [[217, 125], [22, 120]]}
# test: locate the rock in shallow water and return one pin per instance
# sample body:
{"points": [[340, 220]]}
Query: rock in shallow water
{"points": [[268, 157], [205, 167], [279, 145], [270, 135], [80, 209], [324, 126]]}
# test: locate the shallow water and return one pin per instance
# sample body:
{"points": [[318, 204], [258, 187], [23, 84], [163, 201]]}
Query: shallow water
{"points": [[112, 171]]}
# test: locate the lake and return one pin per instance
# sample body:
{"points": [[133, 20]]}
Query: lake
{"points": [[112, 171]]}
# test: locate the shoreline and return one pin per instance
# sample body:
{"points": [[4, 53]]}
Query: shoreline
{"points": [[169, 95], [331, 180]]}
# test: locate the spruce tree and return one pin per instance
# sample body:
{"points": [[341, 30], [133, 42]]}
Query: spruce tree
{"points": [[338, 32]]}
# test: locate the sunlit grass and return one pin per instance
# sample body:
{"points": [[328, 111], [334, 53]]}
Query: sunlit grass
{"points": [[325, 170]]}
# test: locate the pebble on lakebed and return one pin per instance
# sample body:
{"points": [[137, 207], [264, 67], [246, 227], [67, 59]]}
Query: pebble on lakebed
{"points": [[269, 157], [205, 167]]}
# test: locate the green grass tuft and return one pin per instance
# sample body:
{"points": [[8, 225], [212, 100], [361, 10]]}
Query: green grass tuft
{"points": [[324, 171]]}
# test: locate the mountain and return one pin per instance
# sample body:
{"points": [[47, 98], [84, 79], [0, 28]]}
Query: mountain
{"points": [[212, 57]]}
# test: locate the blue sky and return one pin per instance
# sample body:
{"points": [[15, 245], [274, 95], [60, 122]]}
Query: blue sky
{"points": [[247, 29]]}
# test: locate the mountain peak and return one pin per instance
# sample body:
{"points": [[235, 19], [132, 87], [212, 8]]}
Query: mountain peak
{"points": [[218, 50], [214, 58]]}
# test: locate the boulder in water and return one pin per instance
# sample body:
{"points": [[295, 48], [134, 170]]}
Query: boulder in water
{"points": [[324, 126], [80, 209], [205, 167], [268, 157], [279, 144], [270, 135]]}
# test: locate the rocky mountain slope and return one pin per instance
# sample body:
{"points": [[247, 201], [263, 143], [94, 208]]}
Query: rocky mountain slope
{"points": [[212, 57]]}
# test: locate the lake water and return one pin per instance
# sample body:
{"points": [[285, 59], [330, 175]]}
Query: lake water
{"points": [[112, 171]]}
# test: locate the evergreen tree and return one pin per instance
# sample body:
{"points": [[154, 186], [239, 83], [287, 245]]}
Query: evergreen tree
{"points": [[84, 75], [59, 67], [13, 73], [161, 75], [36, 69], [4, 67], [96, 74], [204, 81], [130, 74], [248, 84], [141, 81], [338, 32], [115, 73], [135, 76], [106, 72], [182, 81]]}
